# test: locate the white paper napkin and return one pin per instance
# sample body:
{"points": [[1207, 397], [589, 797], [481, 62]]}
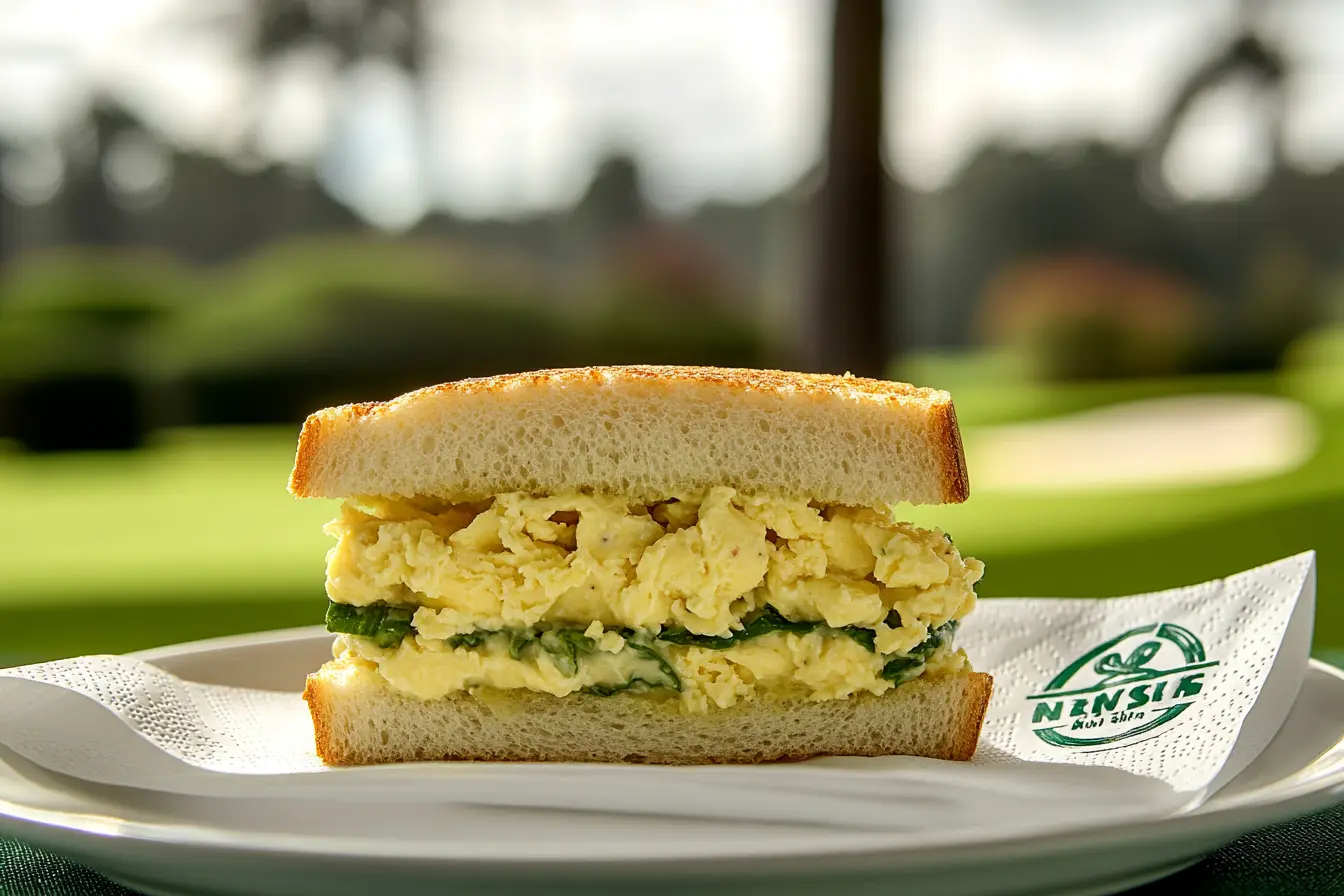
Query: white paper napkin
{"points": [[1102, 710]]}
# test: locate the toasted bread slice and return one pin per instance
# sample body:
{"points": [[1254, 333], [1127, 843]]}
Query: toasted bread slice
{"points": [[361, 720], [643, 432]]}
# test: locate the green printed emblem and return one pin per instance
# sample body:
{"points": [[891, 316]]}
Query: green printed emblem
{"points": [[1122, 689]]}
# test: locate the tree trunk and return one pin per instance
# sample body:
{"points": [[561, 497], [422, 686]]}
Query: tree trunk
{"points": [[848, 315]]}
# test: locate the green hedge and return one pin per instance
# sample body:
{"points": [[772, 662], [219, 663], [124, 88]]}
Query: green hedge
{"points": [[73, 329], [312, 325], [355, 346], [97, 348]]}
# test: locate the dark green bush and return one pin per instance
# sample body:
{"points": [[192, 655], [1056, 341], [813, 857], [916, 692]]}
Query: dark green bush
{"points": [[656, 332], [91, 344], [353, 346], [72, 329], [288, 333], [1087, 317]]}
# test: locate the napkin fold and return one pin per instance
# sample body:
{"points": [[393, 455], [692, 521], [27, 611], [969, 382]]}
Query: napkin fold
{"points": [[1103, 710]]}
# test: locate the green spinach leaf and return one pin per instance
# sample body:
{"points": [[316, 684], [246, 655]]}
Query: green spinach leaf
{"points": [[900, 669], [766, 622], [470, 639], [637, 683], [519, 640], [566, 645], [667, 676], [383, 623], [865, 636]]}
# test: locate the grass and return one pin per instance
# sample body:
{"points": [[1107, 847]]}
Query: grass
{"points": [[1107, 543], [201, 513], [197, 537], [193, 537]]}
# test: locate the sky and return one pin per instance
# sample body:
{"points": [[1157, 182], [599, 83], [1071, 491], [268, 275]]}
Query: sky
{"points": [[719, 99]]}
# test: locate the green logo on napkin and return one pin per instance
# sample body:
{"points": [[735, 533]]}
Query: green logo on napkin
{"points": [[1127, 687]]}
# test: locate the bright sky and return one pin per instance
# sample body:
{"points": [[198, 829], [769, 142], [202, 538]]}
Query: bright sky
{"points": [[719, 98]]}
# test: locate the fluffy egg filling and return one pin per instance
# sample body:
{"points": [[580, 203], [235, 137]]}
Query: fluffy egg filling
{"points": [[716, 597]]}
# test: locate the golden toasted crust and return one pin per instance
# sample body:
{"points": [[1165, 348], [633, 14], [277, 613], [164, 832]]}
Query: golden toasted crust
{"points": [[323, 735], [967, 736], [310, 437], [841, 439], [359, 720], [747, 379], [957, 482]]}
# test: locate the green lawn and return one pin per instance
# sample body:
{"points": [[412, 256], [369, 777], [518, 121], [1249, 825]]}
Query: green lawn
{"points": [[1123, 542], [193, 537], [197, 536]]}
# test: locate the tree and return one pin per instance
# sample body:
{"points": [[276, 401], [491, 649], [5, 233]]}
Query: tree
{"points": [[848, 314], [90, 214], [353, 32], [1247, 54]]}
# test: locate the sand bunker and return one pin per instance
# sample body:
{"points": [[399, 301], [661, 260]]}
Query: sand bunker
{"points": [[1156, 443]]}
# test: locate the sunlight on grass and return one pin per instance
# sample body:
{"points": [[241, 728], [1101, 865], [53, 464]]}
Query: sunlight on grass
{"points": [[1153, 444], [200, 513]]}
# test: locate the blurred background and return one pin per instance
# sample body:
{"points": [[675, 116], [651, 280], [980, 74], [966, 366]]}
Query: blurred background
{"points": [[1112, 228]]}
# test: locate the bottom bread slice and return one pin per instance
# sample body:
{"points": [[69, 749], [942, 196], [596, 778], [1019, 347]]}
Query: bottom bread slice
{"points": [[359, 719]]}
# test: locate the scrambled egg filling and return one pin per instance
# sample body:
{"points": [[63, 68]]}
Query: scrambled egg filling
{"points": [[701, 565], [814, 666]]}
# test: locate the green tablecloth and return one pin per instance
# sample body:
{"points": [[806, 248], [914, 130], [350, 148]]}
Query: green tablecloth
{"points": [[1304, 857], [1299, 857]]}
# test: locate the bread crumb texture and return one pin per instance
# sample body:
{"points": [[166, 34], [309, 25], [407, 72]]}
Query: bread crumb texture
{"points": [[643, 432], [360, 720]]}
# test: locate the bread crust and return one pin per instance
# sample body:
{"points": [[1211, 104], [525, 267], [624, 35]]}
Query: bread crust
{"points": [[957, 482], [359, 720], [888, 424]]}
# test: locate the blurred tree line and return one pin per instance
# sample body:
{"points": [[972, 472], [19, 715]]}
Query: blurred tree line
{"points": [[219, 293], [99, 347]]}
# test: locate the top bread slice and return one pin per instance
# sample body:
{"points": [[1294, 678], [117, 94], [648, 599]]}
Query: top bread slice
{"points": [[648, 433]]}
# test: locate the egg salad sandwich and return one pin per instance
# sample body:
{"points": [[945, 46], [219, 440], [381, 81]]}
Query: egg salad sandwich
{"points": [[642, 564]]}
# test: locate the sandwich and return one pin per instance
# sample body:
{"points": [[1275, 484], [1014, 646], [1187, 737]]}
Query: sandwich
{"points": [[673, 565]]}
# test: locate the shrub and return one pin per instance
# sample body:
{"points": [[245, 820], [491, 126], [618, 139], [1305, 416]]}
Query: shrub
{"points": [[1094, 318], [287, 333], [653, 332], [72, 326]]}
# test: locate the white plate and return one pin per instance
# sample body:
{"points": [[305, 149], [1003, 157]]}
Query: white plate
{"points": [[161, 843]]}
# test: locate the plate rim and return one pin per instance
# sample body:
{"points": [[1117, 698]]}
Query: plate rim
{"points": [[77, 831]]}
